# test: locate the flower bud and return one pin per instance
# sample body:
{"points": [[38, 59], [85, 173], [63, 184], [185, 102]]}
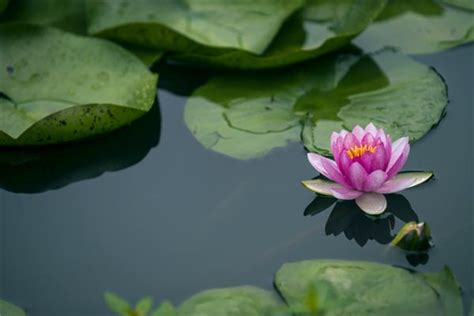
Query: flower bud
{"points": [[413, 237]]}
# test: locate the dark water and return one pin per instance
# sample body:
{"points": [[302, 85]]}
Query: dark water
{"points": [[185, 219]]}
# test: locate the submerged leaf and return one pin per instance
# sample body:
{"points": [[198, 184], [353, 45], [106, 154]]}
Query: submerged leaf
{"points": [[322, 26], [188, 25], [117, 304], [8, 309], [419, 27], [365, 288], [237, 301], [68, 87], [245, 115]]}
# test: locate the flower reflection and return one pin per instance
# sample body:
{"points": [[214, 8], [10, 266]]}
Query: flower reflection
{"points": [[348, 219]]}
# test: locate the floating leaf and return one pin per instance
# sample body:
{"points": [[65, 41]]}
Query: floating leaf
{"points": [[463, 4], [237, 301], [8, 309], [365, 288], [68, 87], [321, 27], [419, 27], [245, 115], [445, 284], [187, 25]]}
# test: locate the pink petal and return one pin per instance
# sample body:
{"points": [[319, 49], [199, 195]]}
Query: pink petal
{"points": [[404, 181], [357, 175], [368, 139], [399, 163], [358, 132], [375, 180], [345, 193], [321, 186], [379, 160], [350, 141], [398, 147], [326, 167], [366, 161], [344, 162], [372, 203], [370, 128]]}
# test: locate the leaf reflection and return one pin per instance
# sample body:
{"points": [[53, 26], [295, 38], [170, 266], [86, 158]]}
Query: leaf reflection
{"points": [[33, 170]]}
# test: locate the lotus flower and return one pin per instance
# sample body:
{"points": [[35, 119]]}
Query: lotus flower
{"points": [[365, 167]]}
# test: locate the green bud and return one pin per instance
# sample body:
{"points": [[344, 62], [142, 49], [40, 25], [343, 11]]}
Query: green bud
{"points": [[413, 237]]}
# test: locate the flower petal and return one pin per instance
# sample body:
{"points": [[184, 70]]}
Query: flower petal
{"points": [[372, 203], [321, 186], [379, 160], [398, 147], [404, 181], [326, 167], [350, 141], [391, 171], [370, 128], [357, 175], [345, 193], [358, 132], [375, 180]]}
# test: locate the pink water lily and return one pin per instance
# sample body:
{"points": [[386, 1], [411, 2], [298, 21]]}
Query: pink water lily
{"points": [[365, 167]]}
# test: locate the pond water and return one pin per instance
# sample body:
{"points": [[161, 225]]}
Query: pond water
{"points": [[180, 218]]}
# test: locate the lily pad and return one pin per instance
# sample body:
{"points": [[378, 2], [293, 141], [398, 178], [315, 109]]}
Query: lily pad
{"points": [[365, 288], [322, 26], [8, 309], [463, 4], [419, 27], [245, 115], [186, 25], [68, 87], [237, 301]]}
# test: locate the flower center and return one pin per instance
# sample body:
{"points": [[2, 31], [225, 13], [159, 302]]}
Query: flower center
{"points": [[358, 151]]}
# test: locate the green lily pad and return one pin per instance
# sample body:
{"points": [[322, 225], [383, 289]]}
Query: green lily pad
{"points": [[68, 87], [365, 288], [8, 309], [418, 27], [237, 301], [463, 4], [186, 25], [245, 115], [321, 27]]}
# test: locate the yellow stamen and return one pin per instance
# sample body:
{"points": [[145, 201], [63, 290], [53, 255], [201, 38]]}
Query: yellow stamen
{"points": [[358, 151]]}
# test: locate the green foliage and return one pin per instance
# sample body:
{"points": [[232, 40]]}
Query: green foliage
{"points": [[365, 288], [67, 87], [322, 26], [186, 25], [246, 116], [8, 309], [420, 27]]}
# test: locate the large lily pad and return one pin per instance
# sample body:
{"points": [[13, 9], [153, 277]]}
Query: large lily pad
{"points": [[323, 26], [365, 288], [186, 24], [419, 27], [246, 115], [60, 87], [8, 309], [237, 301]]}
